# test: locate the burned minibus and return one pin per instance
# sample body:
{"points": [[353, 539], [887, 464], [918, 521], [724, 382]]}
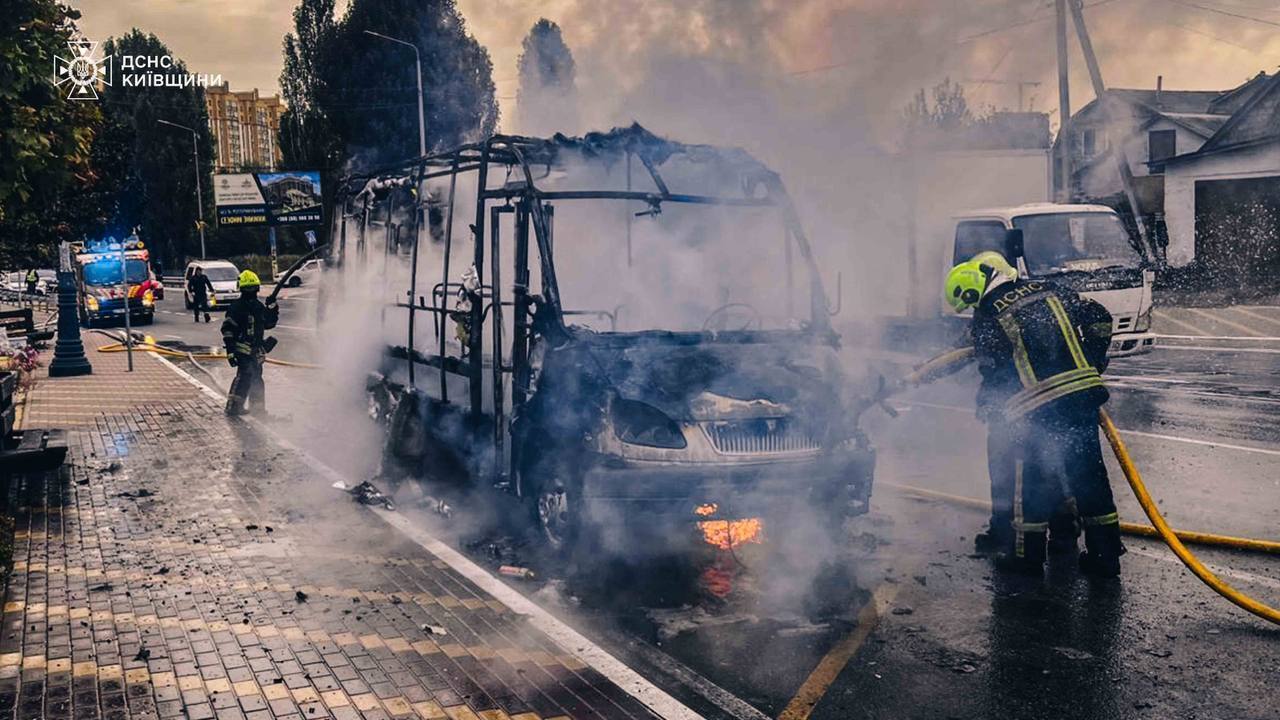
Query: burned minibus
{"points": [[629, 334]]}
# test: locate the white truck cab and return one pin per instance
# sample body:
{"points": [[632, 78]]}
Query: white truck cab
{"points": [[1082, 247]]}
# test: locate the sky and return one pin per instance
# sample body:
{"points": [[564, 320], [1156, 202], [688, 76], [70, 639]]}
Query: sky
{"points": [[877, 50]]}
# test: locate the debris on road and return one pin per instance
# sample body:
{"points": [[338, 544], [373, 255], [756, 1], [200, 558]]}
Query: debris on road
{"points": [[300, 596], [434, 630], [136, 494], [366, 493], [516, 572]]}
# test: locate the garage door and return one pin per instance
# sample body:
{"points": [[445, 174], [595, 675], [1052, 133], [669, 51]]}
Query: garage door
{"points": [[1238, 229]]}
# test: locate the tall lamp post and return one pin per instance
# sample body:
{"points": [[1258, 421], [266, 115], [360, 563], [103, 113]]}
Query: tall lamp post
{"points": [[195, 152], [422, 112], [422, 152], [68, 354]]}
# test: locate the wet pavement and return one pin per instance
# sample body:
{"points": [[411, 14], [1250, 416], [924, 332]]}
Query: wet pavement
{"points": [[931, 632]]}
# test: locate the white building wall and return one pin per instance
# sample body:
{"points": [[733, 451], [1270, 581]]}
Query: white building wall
{"points": [[1102, 179], [1180, 190]]}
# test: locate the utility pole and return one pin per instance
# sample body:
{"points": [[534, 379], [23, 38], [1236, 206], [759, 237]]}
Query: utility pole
{"points": [[1117, 143], [422, 103], [1064, 107], [195, 153]]}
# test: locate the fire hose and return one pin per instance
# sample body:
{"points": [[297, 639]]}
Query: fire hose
{"points": [[186, 354], [944, 364]]}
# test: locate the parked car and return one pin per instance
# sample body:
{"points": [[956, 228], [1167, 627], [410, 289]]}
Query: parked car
{"points": [[222, 275], [308, 274]]}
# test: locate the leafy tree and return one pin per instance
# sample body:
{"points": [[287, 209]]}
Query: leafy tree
{"points": [[949, 112], [547, 100], [356, 95], [44, 138], [146, 167]]}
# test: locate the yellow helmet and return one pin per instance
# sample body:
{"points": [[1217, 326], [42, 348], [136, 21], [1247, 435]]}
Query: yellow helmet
{"points": [[248, 279], [965, 284], [996, 262]]}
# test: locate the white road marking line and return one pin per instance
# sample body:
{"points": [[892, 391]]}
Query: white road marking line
{"points": [[1139, 433], [1217, 348], [1163, 316], [565, 637], [1241, 338], [1241, 575], [1214, 318]]}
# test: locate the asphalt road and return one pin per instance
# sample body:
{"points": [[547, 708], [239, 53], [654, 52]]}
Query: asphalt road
{"points": [[950, 638]]}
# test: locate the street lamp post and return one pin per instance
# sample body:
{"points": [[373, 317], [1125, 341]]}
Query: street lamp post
{"points": [[422, 112], [195, 152]]}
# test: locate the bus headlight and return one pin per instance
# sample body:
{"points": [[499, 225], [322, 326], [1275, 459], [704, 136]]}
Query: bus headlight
{"points": [[91, 302], [148, 299]]}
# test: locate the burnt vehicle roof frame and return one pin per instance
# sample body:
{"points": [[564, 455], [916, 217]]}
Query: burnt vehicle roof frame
{"points": [[526, 153]]}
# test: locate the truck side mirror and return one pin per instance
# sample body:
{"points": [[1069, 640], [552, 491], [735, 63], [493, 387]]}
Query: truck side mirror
{"points": [[1013, 244]]}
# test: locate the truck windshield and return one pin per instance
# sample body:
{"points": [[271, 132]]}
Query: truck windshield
{"points": [[1075, 242], [107, 272]]}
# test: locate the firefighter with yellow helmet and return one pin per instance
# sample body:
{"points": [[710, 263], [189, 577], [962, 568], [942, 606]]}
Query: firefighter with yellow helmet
{"points": [[1040, 350], [247, 347]]}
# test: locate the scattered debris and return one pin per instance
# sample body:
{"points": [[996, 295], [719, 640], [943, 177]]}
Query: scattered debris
{"points": [[434, 630], [143, 655], [1073, 653], [300, 596], [437, 506], [803, 630], [902, 610], [966, 668], [921, 579], [82, 481], [517, 572], [163, 570], [114, 467], [135, 494], [251, 527], [1159, 652], [104, 587], [367, 494]]}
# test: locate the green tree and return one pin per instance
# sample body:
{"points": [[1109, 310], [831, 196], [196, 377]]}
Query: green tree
{"points": [[547, 99], [146, 166], [44, 138], [356, 95], [949, 111]]}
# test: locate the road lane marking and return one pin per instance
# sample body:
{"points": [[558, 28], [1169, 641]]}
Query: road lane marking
{"points": [[1139, 433], [1216, 348], [1165, 316], [1241, 338], [1213, 318], [565, 637], [815, 687], [1241, 575]]}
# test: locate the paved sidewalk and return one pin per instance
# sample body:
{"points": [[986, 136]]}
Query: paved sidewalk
{"points": [[182, 565]]}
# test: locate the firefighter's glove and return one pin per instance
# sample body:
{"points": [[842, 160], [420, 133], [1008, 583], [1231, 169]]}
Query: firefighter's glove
{"points": [[231, 360]]}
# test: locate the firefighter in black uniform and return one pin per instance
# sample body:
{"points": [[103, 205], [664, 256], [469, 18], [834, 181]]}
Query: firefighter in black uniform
{"points": [[1040, 350], [242, 335]]}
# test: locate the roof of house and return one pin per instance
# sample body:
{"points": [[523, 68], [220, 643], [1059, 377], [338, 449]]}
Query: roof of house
{"points": [[1257, 120], [1169, 101]]}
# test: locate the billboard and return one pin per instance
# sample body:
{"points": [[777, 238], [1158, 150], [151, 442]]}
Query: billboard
{"points": [[278, 198]]}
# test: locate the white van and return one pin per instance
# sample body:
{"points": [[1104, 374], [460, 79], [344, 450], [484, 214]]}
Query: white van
{"points": [[222, 275], [1082, 247]]}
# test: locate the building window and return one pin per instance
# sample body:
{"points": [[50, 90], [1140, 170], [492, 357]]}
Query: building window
{"points": [[1161, 145], [1088, 143]]}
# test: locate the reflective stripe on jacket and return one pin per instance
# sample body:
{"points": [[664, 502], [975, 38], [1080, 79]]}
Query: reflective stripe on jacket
{"points": [[1037, 343]]}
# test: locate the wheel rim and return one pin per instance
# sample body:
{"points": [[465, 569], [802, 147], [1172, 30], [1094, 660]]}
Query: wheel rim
{"points": [[554, 515]]}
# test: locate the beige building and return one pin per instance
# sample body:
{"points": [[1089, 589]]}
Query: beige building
{"points": [[246, 128]]}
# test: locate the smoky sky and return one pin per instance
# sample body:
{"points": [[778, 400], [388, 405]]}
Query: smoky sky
{"points": [[877, 50]]}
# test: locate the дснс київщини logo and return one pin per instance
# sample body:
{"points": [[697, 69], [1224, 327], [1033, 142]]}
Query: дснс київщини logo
{"points": [[82, 72]]}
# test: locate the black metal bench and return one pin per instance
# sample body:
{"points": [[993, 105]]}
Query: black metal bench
{"points": [[20, 325], [25, 452]]}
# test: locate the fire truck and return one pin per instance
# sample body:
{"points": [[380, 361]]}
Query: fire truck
{"points": [[113, 277]]}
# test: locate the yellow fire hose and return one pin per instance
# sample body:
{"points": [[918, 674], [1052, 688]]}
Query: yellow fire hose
{"points": [[1131, 474], [161, 350]]}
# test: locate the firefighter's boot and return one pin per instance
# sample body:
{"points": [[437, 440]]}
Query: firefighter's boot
{"points": [[1063, 533], [1027, 559], [1103, 549], [997, 537]]}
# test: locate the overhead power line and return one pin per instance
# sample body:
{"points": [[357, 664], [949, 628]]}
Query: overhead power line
{"points": [[1220, 11]]}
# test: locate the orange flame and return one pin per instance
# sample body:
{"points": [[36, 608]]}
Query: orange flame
{"points": [[729, 534], [705, 510]]}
